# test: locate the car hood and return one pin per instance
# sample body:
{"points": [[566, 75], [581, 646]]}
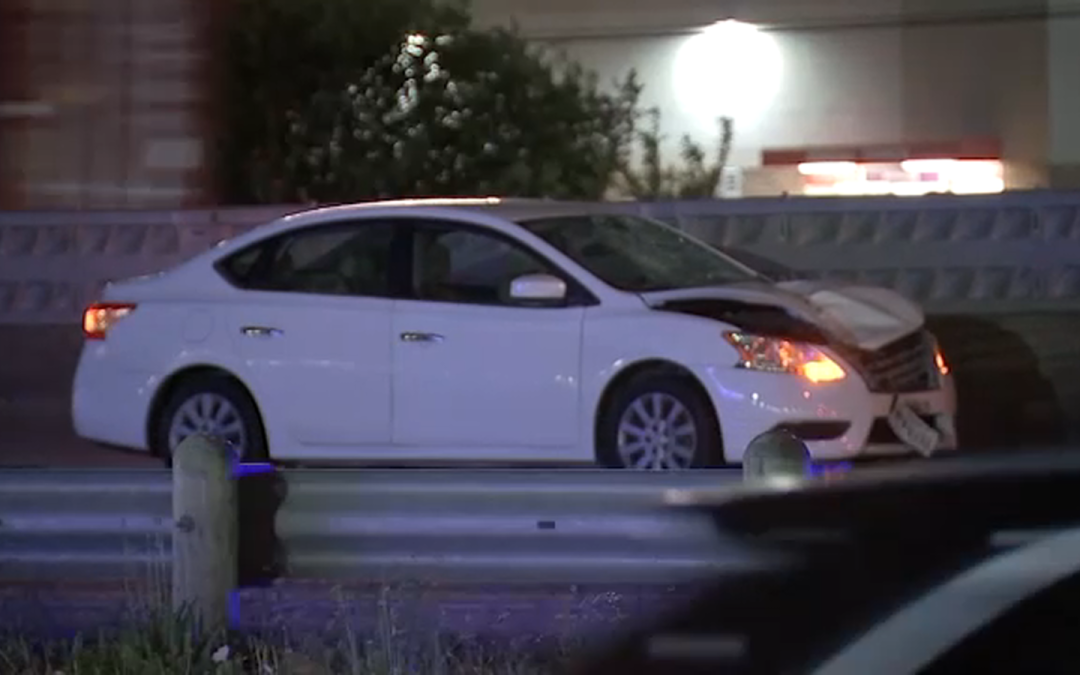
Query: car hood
{"points": [[866, 317]]}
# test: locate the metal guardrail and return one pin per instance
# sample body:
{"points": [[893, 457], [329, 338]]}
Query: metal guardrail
{"points": [[583, 526], [84, 524], [466, 526]]}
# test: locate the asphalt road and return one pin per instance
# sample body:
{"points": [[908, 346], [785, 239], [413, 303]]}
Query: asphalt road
{"points": [[36, 368], [1018, 381], [38, 433]]}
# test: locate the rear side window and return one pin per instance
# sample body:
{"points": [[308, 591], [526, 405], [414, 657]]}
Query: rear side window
{"points": [[339, 259], [237, 268]]}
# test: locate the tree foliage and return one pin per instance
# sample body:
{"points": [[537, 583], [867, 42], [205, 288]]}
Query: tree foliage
{"points": [[338, 100], [697, 177]]}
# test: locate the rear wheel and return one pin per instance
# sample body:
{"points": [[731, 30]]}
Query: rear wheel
{"points": [[214, 405], [659, 422]]}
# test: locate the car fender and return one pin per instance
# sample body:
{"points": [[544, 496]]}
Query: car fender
{"points": [[192, 359], [615, 342]]}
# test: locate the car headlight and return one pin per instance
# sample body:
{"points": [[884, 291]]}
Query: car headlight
{"points": [[940, 362], [776, 355]]}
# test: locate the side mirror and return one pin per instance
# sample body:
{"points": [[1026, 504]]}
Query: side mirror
{"points": [[538, 287]]}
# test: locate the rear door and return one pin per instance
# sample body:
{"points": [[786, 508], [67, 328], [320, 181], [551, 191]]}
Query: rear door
{"points": [[313, 332]]}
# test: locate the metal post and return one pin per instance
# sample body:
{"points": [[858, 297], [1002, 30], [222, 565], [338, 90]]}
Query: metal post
{"points": [[775, 455], [205, 550]]}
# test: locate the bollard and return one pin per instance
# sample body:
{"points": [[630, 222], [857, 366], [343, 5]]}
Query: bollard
{"points": [[204, 550], [774, 456]]}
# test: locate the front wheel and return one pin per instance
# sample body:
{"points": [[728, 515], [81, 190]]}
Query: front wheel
{"points": [[212, 405], [659, 422]]}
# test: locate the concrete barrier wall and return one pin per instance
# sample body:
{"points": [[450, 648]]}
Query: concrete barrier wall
{"points": [[1001, 253], [53, 263]]}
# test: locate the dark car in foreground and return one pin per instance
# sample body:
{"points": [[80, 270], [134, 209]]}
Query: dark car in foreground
{"points": [[947, 568]]}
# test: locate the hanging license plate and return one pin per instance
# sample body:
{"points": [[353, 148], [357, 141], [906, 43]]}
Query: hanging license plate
{"points": [[913, 431]]}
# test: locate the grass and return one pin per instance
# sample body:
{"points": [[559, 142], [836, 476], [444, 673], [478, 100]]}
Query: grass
{"points": [[168, 644], [155, 640]]}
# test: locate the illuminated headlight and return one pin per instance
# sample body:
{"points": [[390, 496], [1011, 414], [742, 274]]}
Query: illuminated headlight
{"points": [[940, 362], [775, 355]]}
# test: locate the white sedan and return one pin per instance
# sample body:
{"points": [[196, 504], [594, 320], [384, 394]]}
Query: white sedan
{"points": [[500, 331]]}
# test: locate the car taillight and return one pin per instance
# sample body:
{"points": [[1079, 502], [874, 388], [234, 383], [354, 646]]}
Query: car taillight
{"points": [[99, 317]]}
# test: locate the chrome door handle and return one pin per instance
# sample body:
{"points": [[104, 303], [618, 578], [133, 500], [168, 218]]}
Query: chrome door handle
{"points": [[421, 337], [261, 331]]}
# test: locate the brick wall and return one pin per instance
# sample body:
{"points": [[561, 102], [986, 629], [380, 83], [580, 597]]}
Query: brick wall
{"points": [[108, 104]]}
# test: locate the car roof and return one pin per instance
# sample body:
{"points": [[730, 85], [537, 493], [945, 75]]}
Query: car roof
{"points": [[515, 209], [505, 209]]}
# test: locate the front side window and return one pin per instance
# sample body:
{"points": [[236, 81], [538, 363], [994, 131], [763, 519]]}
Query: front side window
{"points": [[339, 259], [453, 264], [637, 254]]}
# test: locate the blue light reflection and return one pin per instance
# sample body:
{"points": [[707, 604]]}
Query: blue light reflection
{"points": [[826, 468], [251, 469]]}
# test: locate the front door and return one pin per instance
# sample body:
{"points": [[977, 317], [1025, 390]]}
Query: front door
{"points": [[313, 334], [473, 370]]}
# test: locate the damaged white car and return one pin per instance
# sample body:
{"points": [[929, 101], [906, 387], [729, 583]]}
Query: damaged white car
{"points": [[502, 331]]}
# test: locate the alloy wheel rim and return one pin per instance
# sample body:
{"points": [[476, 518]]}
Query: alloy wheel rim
{"points": [[212, 415], [657, 432]]}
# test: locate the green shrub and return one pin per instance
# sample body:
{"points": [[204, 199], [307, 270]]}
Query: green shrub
{"points": [[337, 100]]}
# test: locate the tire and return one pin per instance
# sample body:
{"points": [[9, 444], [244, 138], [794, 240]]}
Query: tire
{"points": [[648, 389], [228, 401]]}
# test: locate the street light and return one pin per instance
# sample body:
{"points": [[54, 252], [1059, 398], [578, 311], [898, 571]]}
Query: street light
{"points": [[730, 69]]}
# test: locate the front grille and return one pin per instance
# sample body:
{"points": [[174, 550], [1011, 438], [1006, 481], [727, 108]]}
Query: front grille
{"points": [[905, 365]]}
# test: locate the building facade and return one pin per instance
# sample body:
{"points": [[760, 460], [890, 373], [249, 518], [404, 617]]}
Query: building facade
{"points": [[109, 103], [844, 96], [105, 103]]}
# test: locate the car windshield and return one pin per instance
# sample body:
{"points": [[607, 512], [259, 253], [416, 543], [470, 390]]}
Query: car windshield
{"points": [[766, 267], [637, 254]]}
